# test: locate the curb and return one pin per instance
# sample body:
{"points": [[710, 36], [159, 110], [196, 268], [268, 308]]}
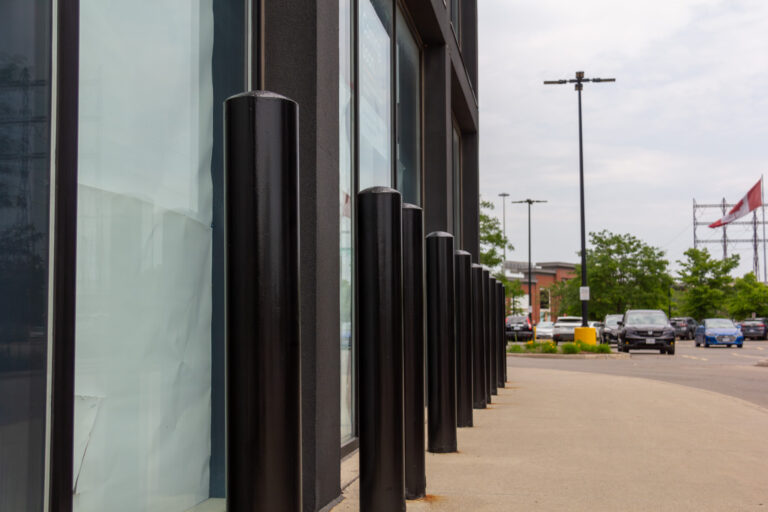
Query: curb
{"points": [[578, 356]]}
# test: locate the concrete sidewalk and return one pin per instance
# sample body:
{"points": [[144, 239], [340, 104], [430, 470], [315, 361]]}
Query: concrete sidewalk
{"points": [[559, 440]]}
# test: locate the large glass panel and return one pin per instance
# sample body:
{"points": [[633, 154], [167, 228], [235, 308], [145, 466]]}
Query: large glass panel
{"points": [[149, 102], [455, 18], [346, 199], [457, 187], [25, 85], [375, 72], [408, 113]]}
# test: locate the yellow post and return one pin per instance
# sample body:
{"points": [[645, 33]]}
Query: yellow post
{"points": [[586, 335]]}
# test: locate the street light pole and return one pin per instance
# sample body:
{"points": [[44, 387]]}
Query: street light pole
{"points": [[530, 270], [504, 197], [579, 81]]}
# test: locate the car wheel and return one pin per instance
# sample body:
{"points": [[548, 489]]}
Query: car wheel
{"points": [[671, 351], [696, 342], [729, 345], [740, 345], [706, 344], [662, 351]]}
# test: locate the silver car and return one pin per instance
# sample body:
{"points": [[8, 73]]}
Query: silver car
{"points": [[564, 328], [544, 330]]}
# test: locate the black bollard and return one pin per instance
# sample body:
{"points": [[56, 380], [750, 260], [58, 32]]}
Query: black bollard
{"points": [[504, 309], [463, 339], [487, 335], [441, 344], [263, 321], [380, 328], [494, 335], [502, 359], [478, 334], [413, 349]]}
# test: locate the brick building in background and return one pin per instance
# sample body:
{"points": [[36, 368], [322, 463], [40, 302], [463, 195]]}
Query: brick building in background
{"points": [[544, 276]]}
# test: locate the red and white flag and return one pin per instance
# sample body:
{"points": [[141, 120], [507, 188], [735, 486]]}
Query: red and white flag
{"points": [[749, 202]]}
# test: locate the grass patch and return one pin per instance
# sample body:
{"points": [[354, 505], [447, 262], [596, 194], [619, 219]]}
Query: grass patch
{"points": [[569, 348], [549, 347], [514, 349]]}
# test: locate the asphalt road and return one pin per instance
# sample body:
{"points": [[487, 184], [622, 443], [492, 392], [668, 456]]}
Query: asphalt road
{"points": [[729, 371]]}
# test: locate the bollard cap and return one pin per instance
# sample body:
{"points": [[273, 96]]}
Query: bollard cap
{"points": [[477, 266], [439, 234], [461, 252], [409, 206], [267, 95], [378, 190]]}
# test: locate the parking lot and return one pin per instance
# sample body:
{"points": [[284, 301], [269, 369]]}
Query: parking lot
{"points": [[730, 371]]}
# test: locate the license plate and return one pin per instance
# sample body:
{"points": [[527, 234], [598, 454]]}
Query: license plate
{"points": [[650, 341], [517, 327]]}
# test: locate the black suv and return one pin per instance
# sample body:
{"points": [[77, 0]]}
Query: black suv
{"points": [[685, 327], [754, 328], [611, 329], [519, 328], [646, 329]]}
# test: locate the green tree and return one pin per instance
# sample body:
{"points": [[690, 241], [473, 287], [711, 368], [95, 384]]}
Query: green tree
{"points": [[749, 296], [492, 239], [622, 272], [514, 292], [707, 283]]}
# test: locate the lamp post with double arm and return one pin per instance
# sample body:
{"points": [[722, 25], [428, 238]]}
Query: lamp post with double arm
{"points": [[579, 81]]}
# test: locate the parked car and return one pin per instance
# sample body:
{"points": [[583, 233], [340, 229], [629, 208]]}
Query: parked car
{"points": [[754, 328], [719, 331], [563, 328], [544, 330], [685, 327], [598, 327], [646, 329], [519, 328], [611, 328]]}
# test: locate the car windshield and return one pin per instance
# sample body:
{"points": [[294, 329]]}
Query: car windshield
{"points": [[612, 321], [646, 318], [752, 322], [515, 319], [545, 324], [719, 323]]}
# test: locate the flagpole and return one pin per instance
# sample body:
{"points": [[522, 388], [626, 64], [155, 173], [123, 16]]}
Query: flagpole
{"points": [[762, 200]]}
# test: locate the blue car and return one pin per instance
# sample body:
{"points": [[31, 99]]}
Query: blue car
{"points": [[718, 331]]}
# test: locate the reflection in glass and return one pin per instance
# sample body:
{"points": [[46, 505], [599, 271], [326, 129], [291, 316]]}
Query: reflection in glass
{"points": [[375, 60], [346, 197], [147, 151], [25, 68], [408, 114], [455, 21], [457, 188]]}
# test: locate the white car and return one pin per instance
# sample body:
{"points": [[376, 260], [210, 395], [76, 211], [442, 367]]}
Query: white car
{"points": [[544, 330], [564, 327]]}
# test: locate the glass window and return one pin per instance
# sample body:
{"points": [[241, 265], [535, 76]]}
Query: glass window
{"points": [[152, 79], [408, 113], [346, 206], [375, 71], [457, 187], [455, 18], [25, 107]]}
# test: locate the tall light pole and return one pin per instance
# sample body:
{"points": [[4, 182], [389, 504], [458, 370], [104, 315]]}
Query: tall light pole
{"points": [[504, 197], [579, 81], [530, 270]]}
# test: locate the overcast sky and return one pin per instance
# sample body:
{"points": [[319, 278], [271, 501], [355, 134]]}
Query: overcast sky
{"points": [[687, 117]]}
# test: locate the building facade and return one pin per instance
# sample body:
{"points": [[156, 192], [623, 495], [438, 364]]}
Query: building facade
{"points": [[112, 330], [543, 276]]}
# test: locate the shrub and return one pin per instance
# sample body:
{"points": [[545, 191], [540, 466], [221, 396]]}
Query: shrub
{"points": [[604, 348], [585, 347], [570, 348], [532, 346], [549, 347], [514, 349]]}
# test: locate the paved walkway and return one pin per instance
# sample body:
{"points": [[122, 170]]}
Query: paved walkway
{"points": [[569, 441]]}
